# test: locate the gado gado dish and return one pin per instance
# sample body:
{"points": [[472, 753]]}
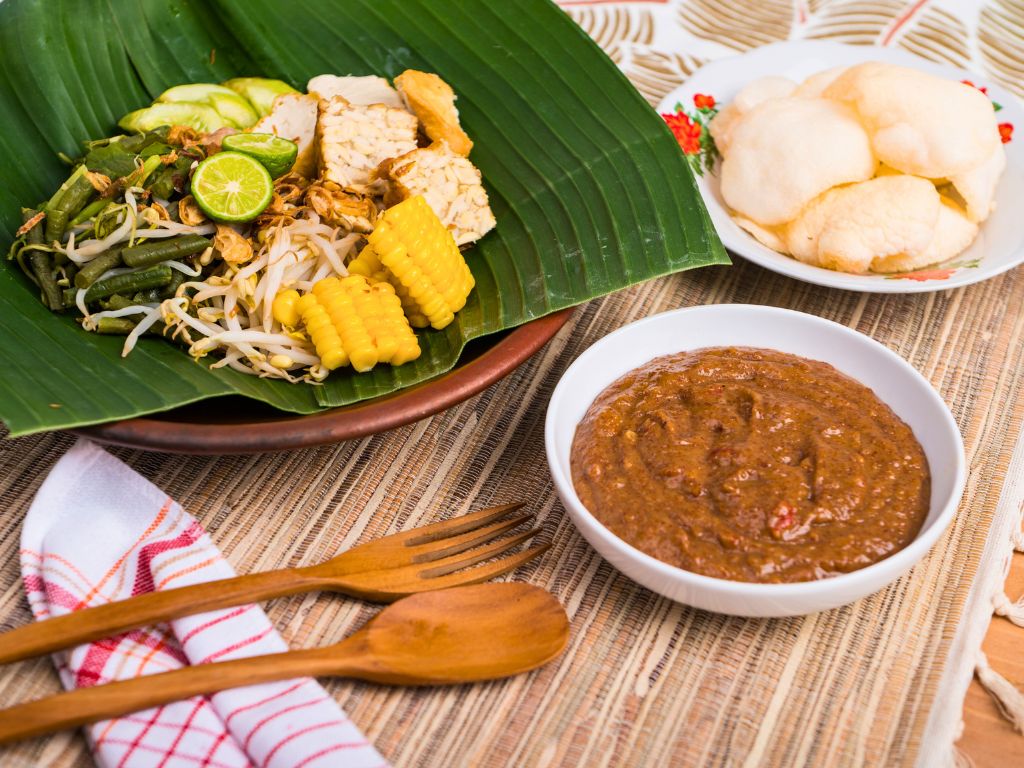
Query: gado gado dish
{"points": [[289, 234], [869, 168], [751, 465]]}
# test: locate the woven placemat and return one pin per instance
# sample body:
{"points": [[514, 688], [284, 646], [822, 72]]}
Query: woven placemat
{"points": [[645, 681]]}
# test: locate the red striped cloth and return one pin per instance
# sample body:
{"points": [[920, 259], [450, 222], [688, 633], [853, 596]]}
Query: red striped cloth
{"points": [[96, 532]]}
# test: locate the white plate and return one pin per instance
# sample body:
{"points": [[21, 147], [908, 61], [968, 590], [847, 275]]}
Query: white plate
{"points": [[891, 377], [1000, 243]]}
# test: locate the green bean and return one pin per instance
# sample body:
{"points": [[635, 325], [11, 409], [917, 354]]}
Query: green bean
{"points": [[42, 265], [56, 222], [155, 251], [35, 235], [42, 268], [68, 296], [137, 177], [77, 195], [117, 326], [122, 326], [152, 296], [115, 301], [92, 209], [57, 213], [168, 291], [94, 270], [129, 282], [70, 272]]}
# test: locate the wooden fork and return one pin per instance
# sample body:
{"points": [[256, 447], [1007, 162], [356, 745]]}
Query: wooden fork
{"points": [[430, 557]]}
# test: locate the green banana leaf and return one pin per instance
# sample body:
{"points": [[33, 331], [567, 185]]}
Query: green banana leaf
{"points": [[590, 190]]}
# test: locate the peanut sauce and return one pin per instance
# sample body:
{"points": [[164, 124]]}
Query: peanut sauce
{"points": [[751, 465]]}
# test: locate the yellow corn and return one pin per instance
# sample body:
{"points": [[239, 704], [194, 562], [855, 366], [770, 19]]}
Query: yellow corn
{"points": [[352, 321], [412, 250], [284, 308], [321, 331]]}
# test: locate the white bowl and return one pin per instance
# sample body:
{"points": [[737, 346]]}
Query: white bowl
{"points": [[999, 245], [906, 391]]}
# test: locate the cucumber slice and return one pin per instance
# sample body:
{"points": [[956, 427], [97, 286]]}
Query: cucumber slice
{"points": [[197, 92], [260, 91], [234, 109], [199, 116]]}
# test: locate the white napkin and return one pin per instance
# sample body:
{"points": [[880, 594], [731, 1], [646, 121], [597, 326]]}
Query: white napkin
{"points": [[96, 532]]}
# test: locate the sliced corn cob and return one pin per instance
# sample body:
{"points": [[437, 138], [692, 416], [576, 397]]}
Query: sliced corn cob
{"points": [[450, 184], [353, 322], [368, 265], [412, 250], [353, 139], [285, 308]]}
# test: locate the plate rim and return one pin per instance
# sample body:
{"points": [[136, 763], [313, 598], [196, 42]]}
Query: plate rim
{"points": [[336, 425], [820, 276]]}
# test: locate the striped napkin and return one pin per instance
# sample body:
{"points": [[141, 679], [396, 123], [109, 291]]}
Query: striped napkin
{"points": [[98, 532]]}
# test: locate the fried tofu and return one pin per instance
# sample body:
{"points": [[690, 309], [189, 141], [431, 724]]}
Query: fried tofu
{"points": [[366, 89], [449, 182], [354, 139], [432, 100]]}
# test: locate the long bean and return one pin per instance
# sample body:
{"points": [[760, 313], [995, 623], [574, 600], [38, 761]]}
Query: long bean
{"points": [[42, 268], [94, 270], [68, 200], [155, 251], [76, 196], [92, 209], [168, 291], [42, 265], [117, 326], [70, 270], [152, 296], [138, 177], [56, 222], [35, 235], [116, 301], [122, 326], [129, 282]]}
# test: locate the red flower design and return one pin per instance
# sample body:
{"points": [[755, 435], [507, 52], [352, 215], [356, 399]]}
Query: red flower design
{"points": [[1006, 132], [981, 88], [923, 275], [686, 131], [703, 101]]}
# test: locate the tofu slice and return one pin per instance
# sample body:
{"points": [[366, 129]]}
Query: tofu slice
{"points": [[449, 182], [354, 139], [356, 90]]}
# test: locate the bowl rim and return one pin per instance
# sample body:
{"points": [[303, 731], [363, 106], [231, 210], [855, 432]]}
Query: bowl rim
{"points": [[900, 561]]}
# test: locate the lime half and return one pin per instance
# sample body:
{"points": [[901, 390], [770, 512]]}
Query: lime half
{"points": [[277, 154], [230, 186]]}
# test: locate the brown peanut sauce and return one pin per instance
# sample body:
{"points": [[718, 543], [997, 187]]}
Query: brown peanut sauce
{"points": [[751, 465]]}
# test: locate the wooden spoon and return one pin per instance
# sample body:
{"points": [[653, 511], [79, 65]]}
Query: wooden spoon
{"points": [[457, 635]]}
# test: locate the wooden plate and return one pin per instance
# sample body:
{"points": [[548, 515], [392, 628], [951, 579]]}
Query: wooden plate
{"points": [[238, 425]]}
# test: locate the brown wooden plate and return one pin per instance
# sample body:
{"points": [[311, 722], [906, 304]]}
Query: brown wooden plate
{"points": [[239, 425]]}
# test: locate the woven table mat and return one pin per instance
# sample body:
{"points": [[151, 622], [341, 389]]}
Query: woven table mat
{"points": [[645, 681]]}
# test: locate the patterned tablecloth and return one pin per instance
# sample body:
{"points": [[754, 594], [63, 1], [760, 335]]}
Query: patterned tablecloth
{"points": [[645, 681]]}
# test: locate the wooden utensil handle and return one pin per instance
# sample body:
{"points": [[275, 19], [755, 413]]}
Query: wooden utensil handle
{"points": [[151, 608], [90, 705]]}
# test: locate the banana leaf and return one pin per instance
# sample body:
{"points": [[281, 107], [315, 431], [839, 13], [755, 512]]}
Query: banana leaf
{"points": [[589, 188]]}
